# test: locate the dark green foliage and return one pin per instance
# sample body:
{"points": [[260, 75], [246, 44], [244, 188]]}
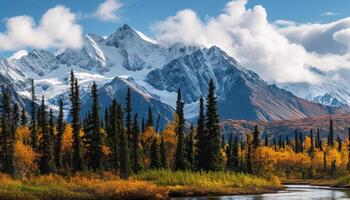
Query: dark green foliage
{"points": [[24, 118], [201, 140], [296, 142], [180, 155], [312, 147], [113, 137], [163, 154], [215, 160], [233, 155], [59, 136], [124, 159], [96, 142], [301, 142], [78, 163], [189, 148], [6, 160], [266, 143], [143, 126], [135, 146], [128, 115], [331, 133], [46, 160], [340, 143], [33, 134], [333, 168], [249, 167], [149, 118], [256, 140], [155, 155]]}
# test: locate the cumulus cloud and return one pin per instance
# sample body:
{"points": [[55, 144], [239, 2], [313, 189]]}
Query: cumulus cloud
{"points": [[56, 29], [107, 11], [280, 51]]}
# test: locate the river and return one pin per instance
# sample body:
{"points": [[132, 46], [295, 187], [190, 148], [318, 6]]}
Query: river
{"points": [[293, 192]]}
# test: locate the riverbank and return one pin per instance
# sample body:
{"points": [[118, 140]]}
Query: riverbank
{"points": [[157, 185], [186, 184]]}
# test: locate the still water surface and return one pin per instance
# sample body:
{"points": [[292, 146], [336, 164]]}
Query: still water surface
{"points": [[293, 192]]}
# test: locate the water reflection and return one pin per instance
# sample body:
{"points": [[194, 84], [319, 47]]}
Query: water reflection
{"points": [[293, 192]]}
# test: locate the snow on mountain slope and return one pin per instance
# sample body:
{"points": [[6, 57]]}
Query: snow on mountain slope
{"points": [[155, 72]]}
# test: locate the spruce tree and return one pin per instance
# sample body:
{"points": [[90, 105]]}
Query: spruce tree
{"points": [[52, 128], [256, 140], [149, 118], [235, 156], [5, 134], [143, 126], [201, 162], [312, 148], [331, 133], [301, 142], [46, 161], [128, 116], [33, 134], [215, 160], [113, 135], [163, 154], [78, 163], [135, 153], [59, 136], [96, 143], [180, 155], [249, 166], [340, 143], [189, 148], [14, 121], [124, 158], [155, 155], [318, 140], [296, 142], [229, 152], [24, 118], [266, 143]]}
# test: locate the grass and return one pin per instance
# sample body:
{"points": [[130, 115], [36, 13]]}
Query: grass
{"points": [[90, 187], [156, 185], [343, 181], [211, 183]]}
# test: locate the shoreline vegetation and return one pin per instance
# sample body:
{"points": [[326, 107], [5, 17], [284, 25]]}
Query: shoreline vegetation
{"points": [[155, 184], [49, 158]]}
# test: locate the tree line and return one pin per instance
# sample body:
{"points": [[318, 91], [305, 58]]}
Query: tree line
{"points": [[122, 143]]}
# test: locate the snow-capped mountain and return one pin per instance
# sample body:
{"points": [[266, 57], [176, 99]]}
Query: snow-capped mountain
{"points": [[331, 92], [127, 58]]}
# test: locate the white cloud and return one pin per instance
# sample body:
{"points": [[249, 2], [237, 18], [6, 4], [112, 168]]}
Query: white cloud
{"points": [[56, 29], [281, 51], [107, 11], [329, 13]]}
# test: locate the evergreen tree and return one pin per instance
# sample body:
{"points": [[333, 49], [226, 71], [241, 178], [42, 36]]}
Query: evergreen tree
{"points": [[46, 161], [235, 156], [24, 119], [33, 136], [124, 159], [266, 143], [180, 155], [340, 143], [5, 134], [249, 166], [128, 116], [317, 138], [113, 135], [189, 148], [331, 133], [59, 136], [201, 140], [215, 160], [96, 143], [256, 141], [11, 148], [78, 163], [51, 128], [312, 148], [229, 152], [301, 142], [135, 153], [296, 142], [149, 118], [143, 126], [163, 154], [155, 155]]}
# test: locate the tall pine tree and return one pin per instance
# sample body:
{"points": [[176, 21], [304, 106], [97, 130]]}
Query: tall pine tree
{"points": [[46, 161], [124, 158], [201, 162], [256, 140], [189, 148], [155, 155], [78, 163], [136, 151], [180, 155], [59, 136], [215, 160], [33, 134], [96, 142], [331, 133]]}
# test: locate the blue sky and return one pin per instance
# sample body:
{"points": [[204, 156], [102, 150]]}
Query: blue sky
{"points": [[141, 14]]}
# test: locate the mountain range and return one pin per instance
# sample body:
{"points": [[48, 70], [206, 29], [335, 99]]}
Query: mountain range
{"points": [[154, 73]]}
